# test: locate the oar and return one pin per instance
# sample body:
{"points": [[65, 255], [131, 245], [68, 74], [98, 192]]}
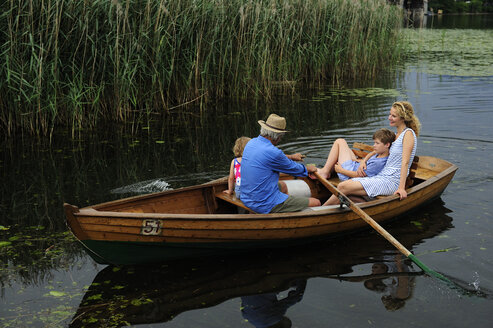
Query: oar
{"points": [[356, 209]]}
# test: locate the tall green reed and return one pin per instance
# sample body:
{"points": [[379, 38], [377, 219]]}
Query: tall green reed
{"points": [[76, 63]]}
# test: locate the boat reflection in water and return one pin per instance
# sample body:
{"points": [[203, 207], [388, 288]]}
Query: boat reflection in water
{"points": [[268, 282]]}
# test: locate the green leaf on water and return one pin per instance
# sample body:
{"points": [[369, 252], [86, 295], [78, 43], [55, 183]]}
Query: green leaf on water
{"points": [[136, 302], [57, 294], [159, 141], [4, 228], [117, 287], [5, 243], [95, 297], [445, 250], [37, 227], [426, 141], [471, 147], [63, 313], [416, 223]]}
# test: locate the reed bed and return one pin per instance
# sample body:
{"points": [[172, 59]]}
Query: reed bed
{"points": [[76, 63]]}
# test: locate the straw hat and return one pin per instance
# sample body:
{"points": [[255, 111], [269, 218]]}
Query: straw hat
{"points": [[274, 123]]}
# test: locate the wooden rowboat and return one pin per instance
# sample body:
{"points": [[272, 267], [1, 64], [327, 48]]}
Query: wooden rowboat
{"points": [[201, 220]]}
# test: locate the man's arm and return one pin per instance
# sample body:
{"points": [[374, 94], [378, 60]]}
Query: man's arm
{"points": [[281, 163]]}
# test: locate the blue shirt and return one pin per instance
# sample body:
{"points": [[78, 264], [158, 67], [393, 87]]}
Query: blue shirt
{"points": [[260, 167], [373, 166]]}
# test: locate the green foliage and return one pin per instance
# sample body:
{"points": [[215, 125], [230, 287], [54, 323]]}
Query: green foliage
{"points": [[476, 6], [461, 7], [76, 62]]}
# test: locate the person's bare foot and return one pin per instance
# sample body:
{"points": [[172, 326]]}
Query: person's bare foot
{"points": [[323, 174]]}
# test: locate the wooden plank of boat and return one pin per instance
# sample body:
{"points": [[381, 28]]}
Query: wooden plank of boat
{"points": [[191, 221]]}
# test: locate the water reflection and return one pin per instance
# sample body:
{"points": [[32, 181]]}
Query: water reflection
{"points": [[396, 289], [29, 255], [269, 309], [466, 21], [418, 19], [267, 282]]}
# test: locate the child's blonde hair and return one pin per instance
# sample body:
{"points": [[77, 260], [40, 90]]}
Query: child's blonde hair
{"points": [[384, 135], [406, 112], [240, 144]]}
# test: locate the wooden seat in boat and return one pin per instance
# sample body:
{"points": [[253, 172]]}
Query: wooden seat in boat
{"points": [[233, 200]]}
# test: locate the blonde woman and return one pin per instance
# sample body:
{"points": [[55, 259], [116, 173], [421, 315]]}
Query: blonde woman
{"points": [[392, 178]]}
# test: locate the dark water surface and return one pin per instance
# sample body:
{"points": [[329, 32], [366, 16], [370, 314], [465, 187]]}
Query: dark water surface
{"points": [[48, 281]]}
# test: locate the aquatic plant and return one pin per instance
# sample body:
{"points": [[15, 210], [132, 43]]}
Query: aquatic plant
{"points": [[76, 63], [451, 52], [28, 254]]}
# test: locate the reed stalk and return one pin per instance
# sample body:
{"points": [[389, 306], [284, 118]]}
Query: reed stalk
{"points": [[76, 63]]}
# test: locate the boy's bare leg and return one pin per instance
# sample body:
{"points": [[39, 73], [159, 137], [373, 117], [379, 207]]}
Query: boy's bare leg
{"points": [[339, 153]]}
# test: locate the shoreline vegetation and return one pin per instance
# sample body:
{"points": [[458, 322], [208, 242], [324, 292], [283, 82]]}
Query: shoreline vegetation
{"points": [[77, 63]]}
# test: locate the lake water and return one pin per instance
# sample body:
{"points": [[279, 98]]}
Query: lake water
{"points": [[47, 280]]}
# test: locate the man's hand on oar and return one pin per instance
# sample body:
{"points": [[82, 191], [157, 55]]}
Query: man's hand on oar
{"points": [[298, 157]]}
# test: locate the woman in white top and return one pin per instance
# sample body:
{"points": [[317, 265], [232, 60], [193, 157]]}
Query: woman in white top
{"points": [[392, 178]]}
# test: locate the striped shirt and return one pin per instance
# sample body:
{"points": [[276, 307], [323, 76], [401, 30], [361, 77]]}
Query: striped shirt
{"points": [[387, 181]]}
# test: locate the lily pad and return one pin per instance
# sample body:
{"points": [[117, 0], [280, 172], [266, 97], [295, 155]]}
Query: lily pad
{"points": [[57, 294]]}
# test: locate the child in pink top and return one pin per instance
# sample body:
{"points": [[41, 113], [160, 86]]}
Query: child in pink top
{"points": [[234, 179]]}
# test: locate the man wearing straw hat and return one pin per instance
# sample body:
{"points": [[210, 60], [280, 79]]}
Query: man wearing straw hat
{"points": [[261, 164]]}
